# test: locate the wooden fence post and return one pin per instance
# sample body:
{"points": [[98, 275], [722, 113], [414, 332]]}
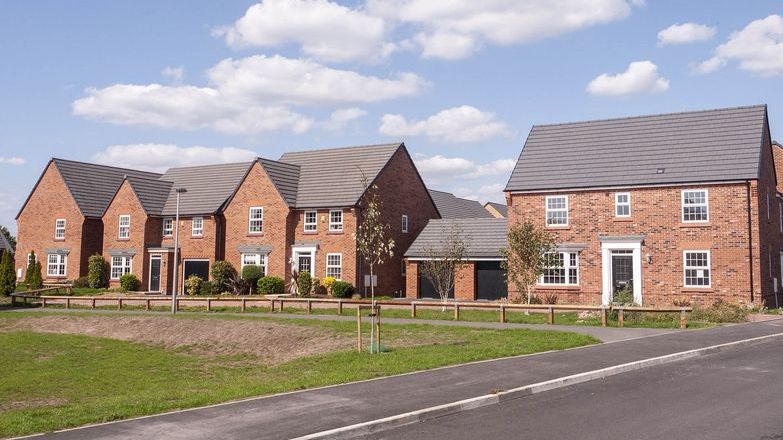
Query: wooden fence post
{"points": [[147, 304], [119, 303], [620, 320], [309, 306], [413, 309], [244, 304], [209, 304], [603, 315], [456, 312], [502, 313], [67, 303], [339, 307], [359, 328], [43, 302], [551, 316], [69, 289], [176, 305], [281, 306], [13, 300], [683, 323], [92, 303], [377, 329]]}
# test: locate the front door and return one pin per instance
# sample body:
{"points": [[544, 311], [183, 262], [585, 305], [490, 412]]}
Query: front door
{"points": [[155, 263], [305, 264], [622, 272]]}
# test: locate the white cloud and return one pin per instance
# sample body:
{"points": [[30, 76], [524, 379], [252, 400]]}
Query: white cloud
{"points": [[13, 160], [9, 206], [325, 30], [758, 48], [159, 157], [439, 169], [174, 73], [461, 124], [640, 77], [492, 192], [685, 33], [469, 23], [341, 117]]}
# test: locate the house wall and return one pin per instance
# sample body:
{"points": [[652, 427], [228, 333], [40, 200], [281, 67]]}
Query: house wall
{"points": [[190, 247], [464, 281], [767, 240], [125, 202], [49, 201], [330, 242]]}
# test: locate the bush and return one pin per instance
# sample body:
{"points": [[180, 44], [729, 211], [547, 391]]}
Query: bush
{"points": [[81, 282], [535, 299], [7, 275], [720, 311], [252, 273], [342, 289], [624, 296], [30, 268], [550, 298], [271, 286], [304, 283], [96, 272], [35, 281], [129, 282], [240, 287], [223, 276], [193, 285], [317, 288], [327, 282], [206, 288]]}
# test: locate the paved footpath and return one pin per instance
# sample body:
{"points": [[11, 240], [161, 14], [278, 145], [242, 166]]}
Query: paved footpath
{"points": [[305, 412]]}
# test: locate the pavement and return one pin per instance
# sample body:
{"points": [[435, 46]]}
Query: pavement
{"points": [[300, 413], [733, 394]]}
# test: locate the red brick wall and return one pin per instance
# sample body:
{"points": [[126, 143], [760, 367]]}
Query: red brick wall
{"points": [[49, 201], [331, 242], [465, 282], [190, 247], [125, 202], [411, 279], [767, 240]]}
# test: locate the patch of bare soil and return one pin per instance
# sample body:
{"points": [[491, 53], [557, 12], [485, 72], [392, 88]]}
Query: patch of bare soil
{"points": [[32, 403], [272, 342]]}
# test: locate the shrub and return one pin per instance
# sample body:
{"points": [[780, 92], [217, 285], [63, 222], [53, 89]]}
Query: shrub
{"points": [[304, 283], [720, 311], [240, 287], [30, 268], [550, 298], [535, 299], [271, 286], [223, 275], [252, 273], [327, 282], [96, 272], [7, 275], [35, 281], [129, 282], [193, 285], [81, 282], [623, 296], [317, 288], [342, 289], [206, 288]]}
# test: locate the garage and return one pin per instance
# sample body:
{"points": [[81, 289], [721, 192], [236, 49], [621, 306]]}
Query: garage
{"points": [[491, 281], [199, 268], [427, 289]]}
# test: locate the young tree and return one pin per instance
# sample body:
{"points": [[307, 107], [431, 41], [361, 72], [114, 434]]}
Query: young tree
{"points": [[36, 280], [527, 256], [31, 259], [7, 275], [97, 270], [442, 261]]}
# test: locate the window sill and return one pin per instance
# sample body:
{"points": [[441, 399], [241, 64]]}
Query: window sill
{"points": [[255, 234], [56, 276], [196, 237], [559, 228], [697, 289], [168, 237], [696, 225], [556, 287], [59, 239], [123, 239], [622, 219], [335, 233], [310, 232]]}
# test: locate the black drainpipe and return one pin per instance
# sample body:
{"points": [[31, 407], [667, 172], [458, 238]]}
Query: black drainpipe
{"points": [[750, 240]]}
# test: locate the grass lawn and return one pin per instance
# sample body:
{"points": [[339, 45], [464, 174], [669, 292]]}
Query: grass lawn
{"points": [[76, 291], [52, 381]]}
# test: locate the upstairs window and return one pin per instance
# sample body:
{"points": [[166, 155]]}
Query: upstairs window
{"points": [[557, 210], [622, 205], [197, 227], [311, 221], [334, 266], [168, 227], [404, 224], [59, 229], [124, 230], [697, 268], [336, 220], [256, 220], [563, 270], [56, 265], [695, 205]]}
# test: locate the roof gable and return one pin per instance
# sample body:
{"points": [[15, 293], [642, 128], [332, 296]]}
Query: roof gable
{"points": [[151, 193], [451, 206], [284, 176]]}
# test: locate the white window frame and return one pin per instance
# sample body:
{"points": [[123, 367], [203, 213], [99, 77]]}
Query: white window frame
{"points": [[567, 266], [706, 205], [125, 266], [260, 260], [404, 223], [59, 231], [548, 210], [310, 226], [335, 226], [685, 267], [60, 265], [126, 228], [333, 266], [166, 231], [618, 204], [194, 231], [250, 220]]}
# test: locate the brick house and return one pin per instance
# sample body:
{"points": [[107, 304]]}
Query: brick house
{"points": [[674, 206]]}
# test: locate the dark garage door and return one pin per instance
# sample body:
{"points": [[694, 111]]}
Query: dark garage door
{"points": [[199, 268], [427, 290], [491, 281]]}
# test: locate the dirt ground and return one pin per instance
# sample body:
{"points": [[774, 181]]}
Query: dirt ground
{"points": [[272, 342]]}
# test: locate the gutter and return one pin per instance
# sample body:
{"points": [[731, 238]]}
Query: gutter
{"points": [[750, 240]]}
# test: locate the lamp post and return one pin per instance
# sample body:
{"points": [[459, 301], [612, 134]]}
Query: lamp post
{"points": [[176, 253]]}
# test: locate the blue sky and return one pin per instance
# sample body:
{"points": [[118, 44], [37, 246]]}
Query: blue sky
{"points": [[157, 84]]}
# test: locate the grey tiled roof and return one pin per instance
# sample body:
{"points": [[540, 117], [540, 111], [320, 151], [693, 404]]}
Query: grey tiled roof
{"points": [[690, 147], [208, 187], [93, 186], [333, 177], [152, 193], [450, 206], [285, 177], [484, 237], [501, 208]]}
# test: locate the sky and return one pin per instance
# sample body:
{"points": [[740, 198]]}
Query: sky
{"points": [[150, 85]]}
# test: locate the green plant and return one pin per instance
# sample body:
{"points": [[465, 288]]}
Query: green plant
{"points": [[193, 285], [720, 311], [223, 276], [252, 273], [535, 299], [623, 296], [81, 282], [304, 282], [35, 281], [528, 255], [271, 286], [342, 289], [7, 275], [550, 298], [30, 268], [327, 282], [318, 288], [206, 288], [129, 282], [96, 272]]}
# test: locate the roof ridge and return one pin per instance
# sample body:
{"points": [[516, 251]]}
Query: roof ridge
{"points": [[102, 165], [320, 149], [625, 118], [261, 158], [212, 165]]}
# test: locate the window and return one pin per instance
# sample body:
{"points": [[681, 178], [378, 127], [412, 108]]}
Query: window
{"points": [[310, 221], [404, 224], [124, 231], [120, 266], [334, 266], [256, 220], [557, 211], [622, 204], [59, 229], [168, 227], [697, 268], [336, 220], [56, 265], [254, 260], [30, 259], [563, 271], [695, 206], [197, 226]]}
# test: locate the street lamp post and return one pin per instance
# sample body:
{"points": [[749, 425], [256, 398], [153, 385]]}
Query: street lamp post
{"points": [[176, 253]]}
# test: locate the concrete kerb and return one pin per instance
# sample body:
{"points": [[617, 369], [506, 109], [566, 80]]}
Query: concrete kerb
{"points": [[435, 412]]}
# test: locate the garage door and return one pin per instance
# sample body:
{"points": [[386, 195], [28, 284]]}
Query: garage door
{"points": [[491, 281], [427, 289], [199, 268]]}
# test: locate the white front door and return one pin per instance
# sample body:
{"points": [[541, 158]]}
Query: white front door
{"points": [[621, 266], [304, 259]]}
